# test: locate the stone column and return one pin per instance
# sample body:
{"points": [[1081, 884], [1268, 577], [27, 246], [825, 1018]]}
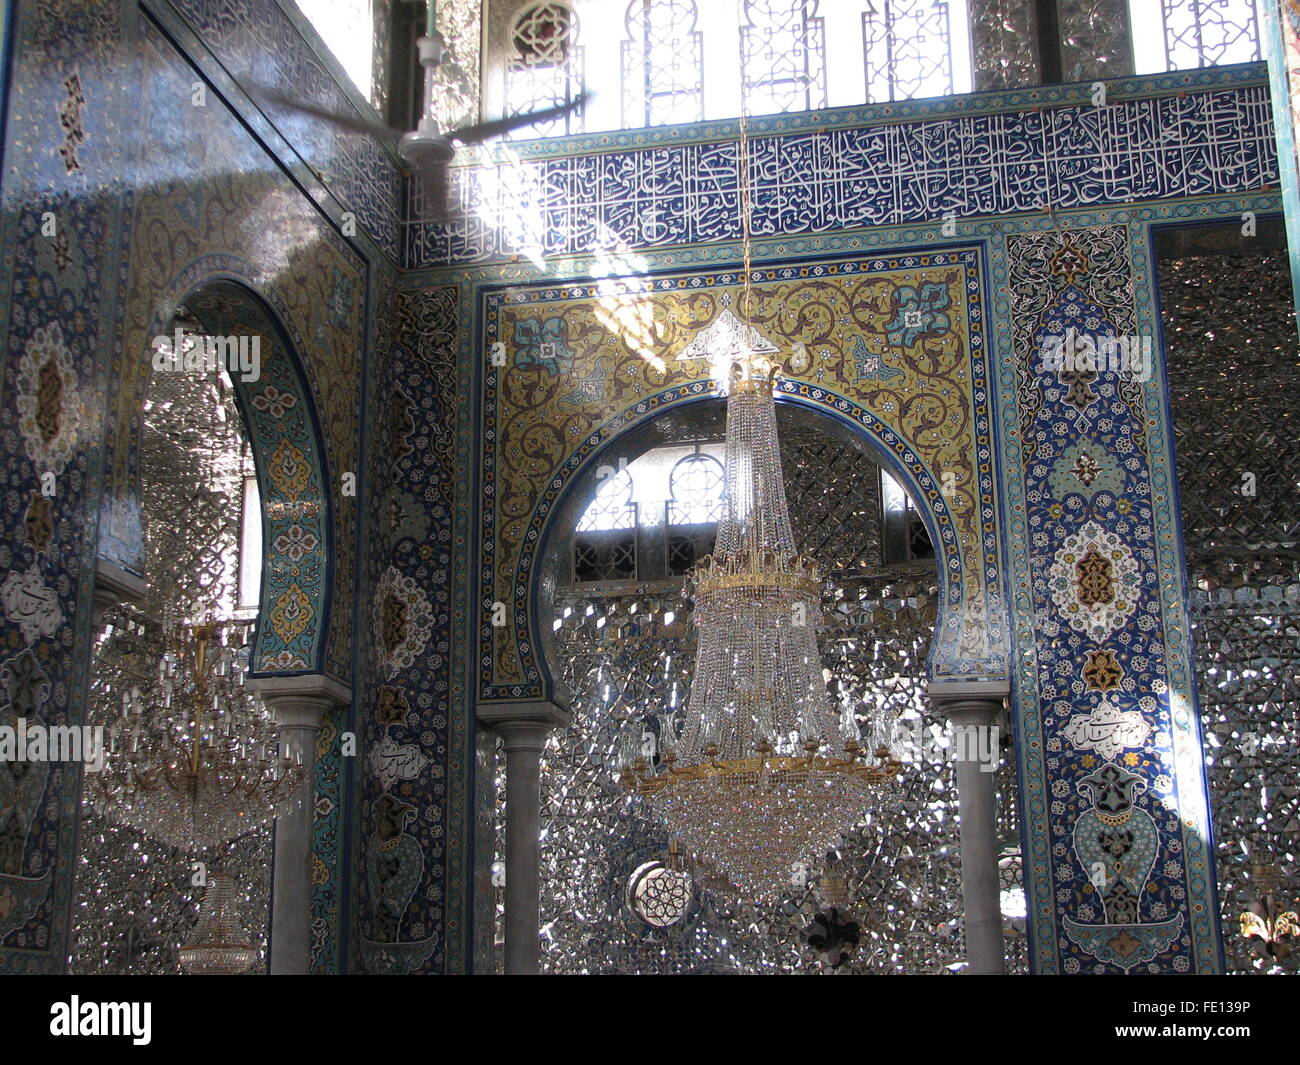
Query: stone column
{"points": [[523, 728], [299, 705], [973, 708]]}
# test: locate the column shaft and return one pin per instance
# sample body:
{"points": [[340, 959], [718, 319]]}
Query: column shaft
{"points": [[524, 741], [299, 704], [291, 877], [980, 888], [523, 728], [975, 759]]}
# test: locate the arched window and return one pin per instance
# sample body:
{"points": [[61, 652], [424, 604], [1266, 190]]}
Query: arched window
{"points": [[764, 57], [696, 487], [783, 56], [907, 46], [696, 484], [653, 518], [663, 72], [544, 68]]}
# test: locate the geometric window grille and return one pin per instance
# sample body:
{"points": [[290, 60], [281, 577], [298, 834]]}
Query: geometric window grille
{"points": [[604, 557], [612, 507], [658, 895], [905, 537], [604, 546], [907, 46], [663, 64], [545, 67], [696, 484], [685, 550], [767, 56], [656, 538], [918, 536], [783, 56], [1206, 33]]}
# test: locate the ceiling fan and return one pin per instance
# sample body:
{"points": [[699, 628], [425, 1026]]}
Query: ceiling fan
{"points": [[426, 149]]}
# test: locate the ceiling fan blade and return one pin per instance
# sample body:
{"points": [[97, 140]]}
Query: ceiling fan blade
{"points": [[355, 123], [487, 130]]}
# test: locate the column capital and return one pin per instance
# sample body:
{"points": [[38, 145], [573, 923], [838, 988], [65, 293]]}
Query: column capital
{"points": [[542, 712], [969, 702], [301, 702]]}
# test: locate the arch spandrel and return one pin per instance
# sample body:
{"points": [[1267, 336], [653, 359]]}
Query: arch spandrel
{"points": [[893, 346]]}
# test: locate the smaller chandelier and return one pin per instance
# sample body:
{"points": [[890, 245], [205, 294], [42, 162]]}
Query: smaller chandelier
{"points": [[219, 945], [193, 762]]}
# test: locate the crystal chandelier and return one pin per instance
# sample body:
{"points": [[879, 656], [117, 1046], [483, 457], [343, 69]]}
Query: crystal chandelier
{"points": [[765, 774], [193, 763], [219, 945]]}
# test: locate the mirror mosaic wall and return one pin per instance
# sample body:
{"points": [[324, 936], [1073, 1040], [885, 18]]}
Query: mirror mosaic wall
{"points": [[1233, 376]]}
